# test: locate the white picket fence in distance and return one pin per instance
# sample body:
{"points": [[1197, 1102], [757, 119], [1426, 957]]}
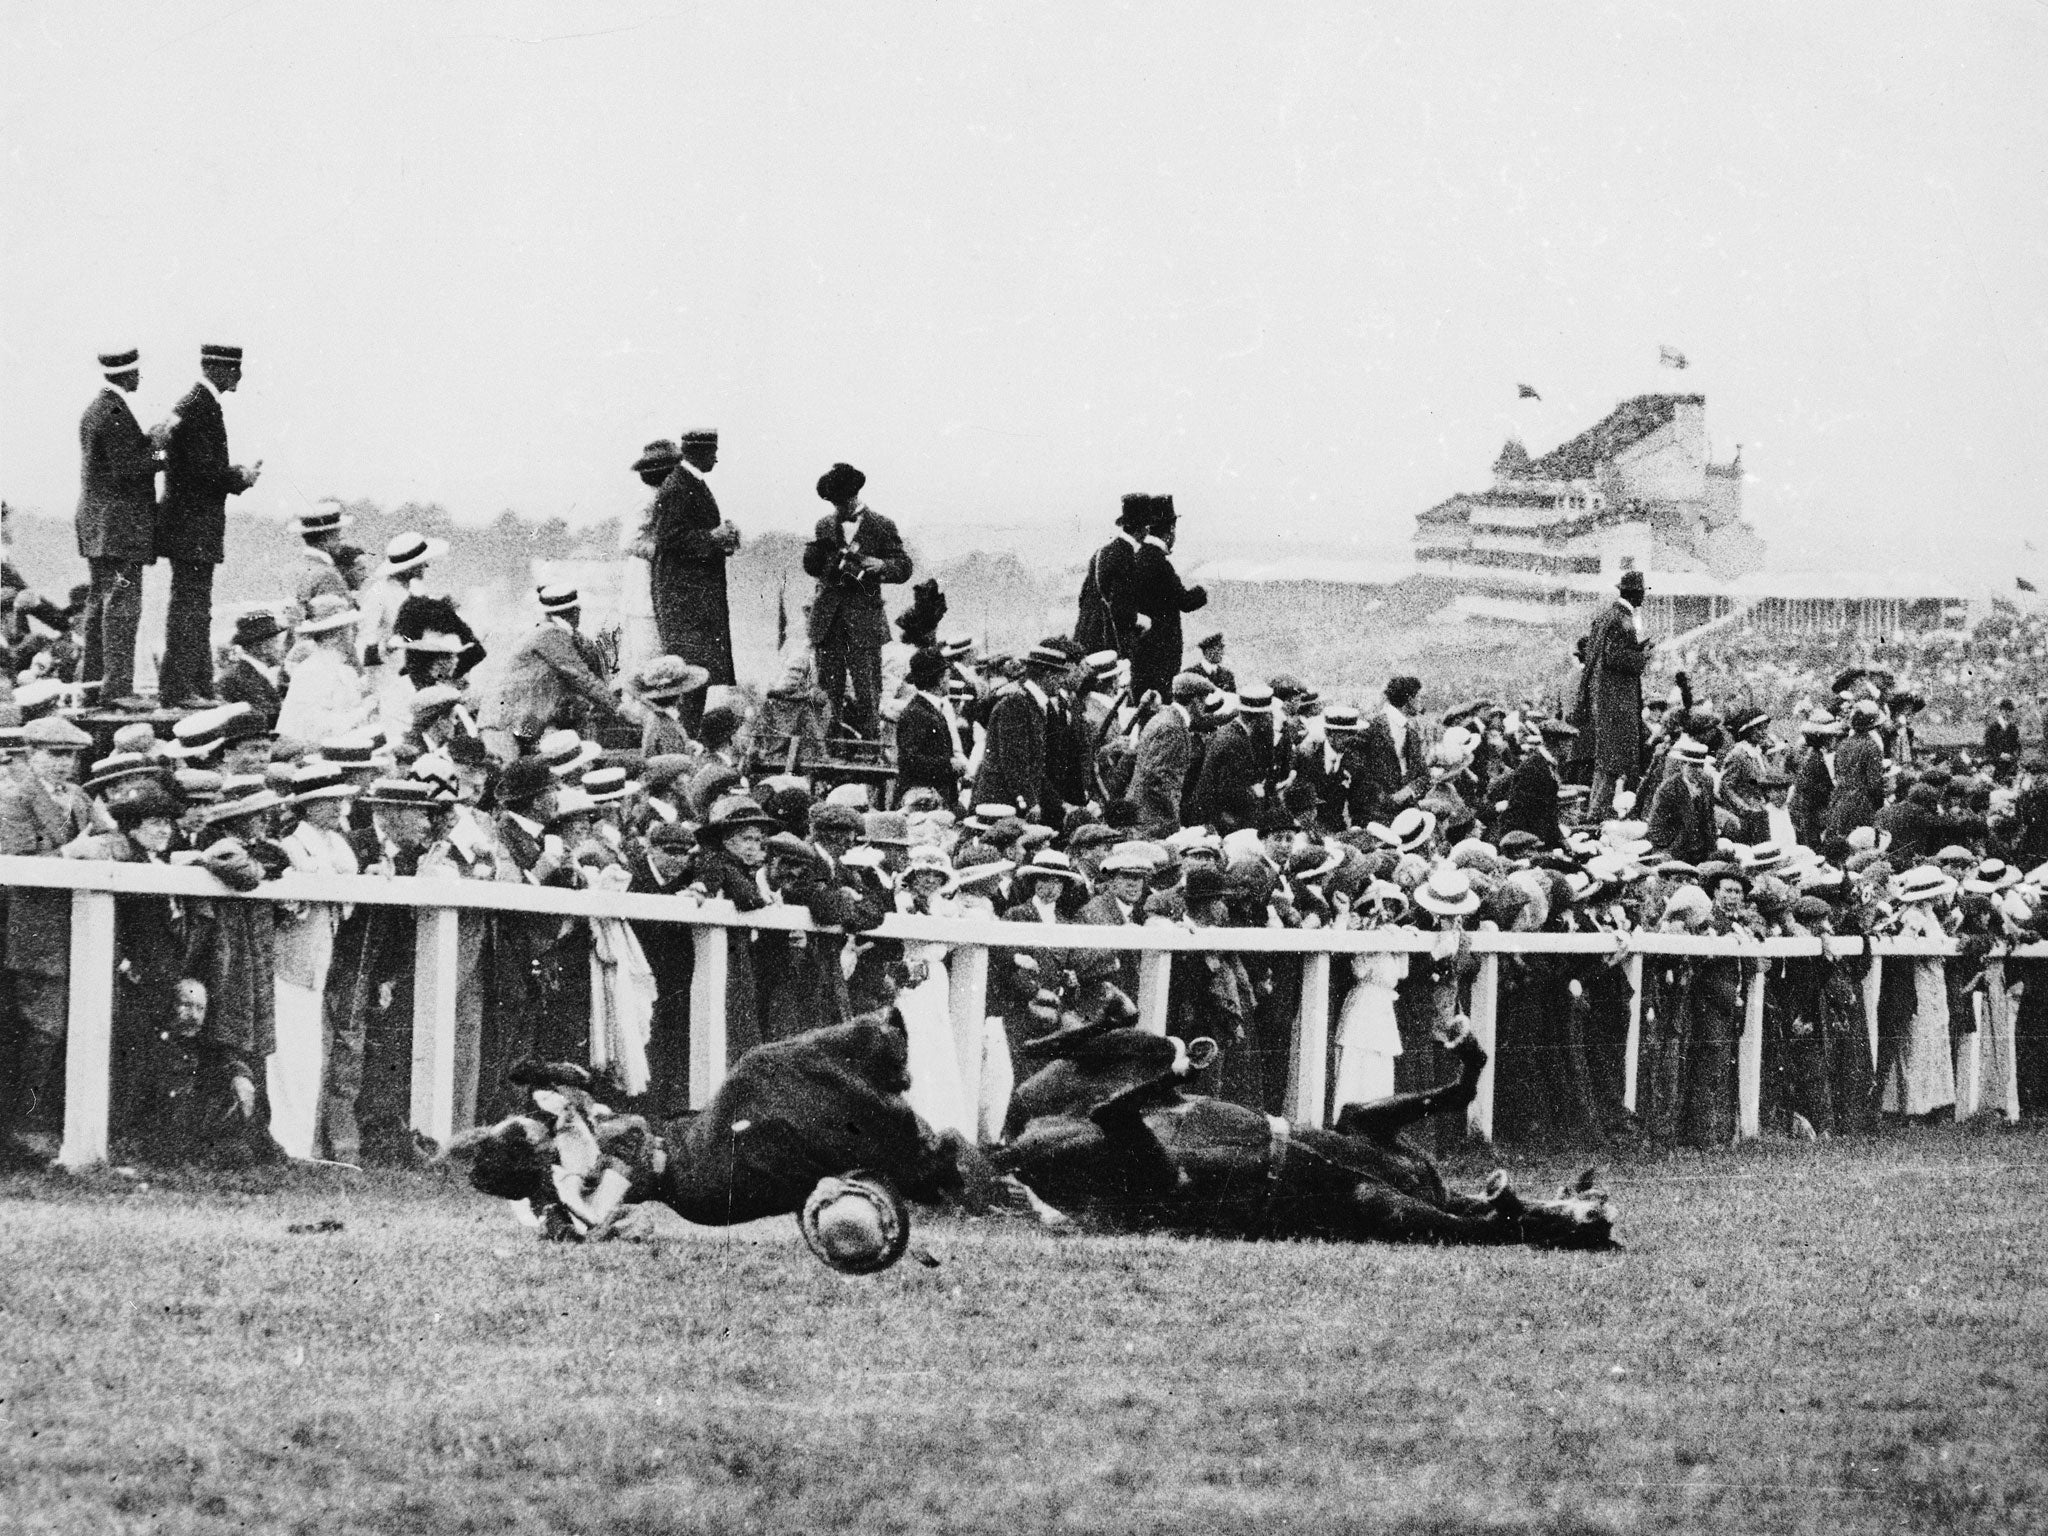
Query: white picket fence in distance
{"points": [[1987, 1068]]}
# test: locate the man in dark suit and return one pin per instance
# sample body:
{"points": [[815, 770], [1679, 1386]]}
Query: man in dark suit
{"points": [[1013, 759], [1160, 599], [2001, 741], [1392, 772], [1330, 766], [1682, 822], [191, 525], [551, 678], [1609, 711], [929, 750], [254, 674], [686, 544], [1107, 620], [1119, 901], [854, 552], [116, 527], [1227, 793]]}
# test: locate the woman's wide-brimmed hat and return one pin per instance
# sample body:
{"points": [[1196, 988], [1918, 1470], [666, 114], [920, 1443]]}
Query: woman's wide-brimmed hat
{"points": [[1407, 832], [1447, 892], [929, 859], [1048, 863], [658, 455], [856, 1224], [240, 795], [669, 677], [734, 813], [328, 611], [139, 800], [318, 779]]}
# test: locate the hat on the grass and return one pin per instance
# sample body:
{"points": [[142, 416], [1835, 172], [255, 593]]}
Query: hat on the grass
{"points": [[856, 1224]]}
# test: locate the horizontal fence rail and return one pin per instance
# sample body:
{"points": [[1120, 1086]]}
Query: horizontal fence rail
{"points": [[443, 1028]]}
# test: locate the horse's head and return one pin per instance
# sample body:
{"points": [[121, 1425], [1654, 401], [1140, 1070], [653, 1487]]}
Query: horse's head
{"points": [[1581, 1217]]}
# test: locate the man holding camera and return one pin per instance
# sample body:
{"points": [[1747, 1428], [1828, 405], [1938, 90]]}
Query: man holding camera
{"points": [[853, 554]]}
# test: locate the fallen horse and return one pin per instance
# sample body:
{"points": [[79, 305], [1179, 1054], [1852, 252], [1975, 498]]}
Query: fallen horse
{"points": [[815, 1126], [1108, 1136]]}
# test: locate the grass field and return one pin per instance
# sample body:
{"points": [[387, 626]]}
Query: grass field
{"points": [[1852, 1337]]}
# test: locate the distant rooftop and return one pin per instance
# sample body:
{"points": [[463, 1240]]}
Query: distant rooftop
{"points": [[1629, 422]]}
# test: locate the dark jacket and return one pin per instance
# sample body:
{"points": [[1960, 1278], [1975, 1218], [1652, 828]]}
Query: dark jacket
{"points": [[847, 610], [1158, 593], [1013, 761], [1382, 784], [686, 574], [925, 748], [1530, 792], [1106, 621], [1682, 821], [1609, 711], [198, 480], [116, 483], [1224, 793], [1859, 784], [1160, 777], [241, 683]]}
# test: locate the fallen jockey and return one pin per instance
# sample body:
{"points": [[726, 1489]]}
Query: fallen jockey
{"points": [[1109, 1138], [815, 1126]]}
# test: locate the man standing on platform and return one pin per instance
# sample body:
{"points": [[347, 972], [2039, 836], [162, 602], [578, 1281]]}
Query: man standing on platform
{"points": [[854, 552], [191, 527], [686, 545], [116, 528], [1160, 600], [1107, 620], [1609, 711]]}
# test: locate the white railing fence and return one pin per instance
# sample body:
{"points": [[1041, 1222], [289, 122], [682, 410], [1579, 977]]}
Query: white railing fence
{"points": [[443, 1027]]}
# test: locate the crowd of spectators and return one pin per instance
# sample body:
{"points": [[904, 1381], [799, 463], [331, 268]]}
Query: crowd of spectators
{"points": [[1038, 788]]}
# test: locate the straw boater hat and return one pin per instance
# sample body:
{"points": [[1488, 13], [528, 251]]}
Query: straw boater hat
{"points": [[240, 795], [856, 1224], [325, 518], [114, 364], [1689, 750], [328, 611], [669, 677], [124, 768], [558, 597], [412, 552], [1255, 699], [1923, 882], [605, 785], [1447, 892], [1341, 720], [421, 794], [1408, 831], [1991, 877], [318, 779], [566, 754]]}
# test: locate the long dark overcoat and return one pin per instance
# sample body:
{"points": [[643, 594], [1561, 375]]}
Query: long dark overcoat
{"points": [[198, 480], [686, 575], [1610, 702]]}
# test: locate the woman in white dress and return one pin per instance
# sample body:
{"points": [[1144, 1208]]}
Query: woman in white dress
{"points": [[319, 846], [938, 1089], [325, 697], [1368, 1038], [1922, 1077]]}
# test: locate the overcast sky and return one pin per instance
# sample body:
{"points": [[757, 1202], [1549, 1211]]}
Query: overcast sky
{"points": [[1286, 262]]}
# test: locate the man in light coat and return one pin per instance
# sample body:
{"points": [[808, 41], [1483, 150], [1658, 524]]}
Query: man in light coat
{"points": [[1164, 750], [550, 680]]}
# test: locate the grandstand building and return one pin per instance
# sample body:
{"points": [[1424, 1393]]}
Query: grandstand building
{"points": [[1637, 490]]}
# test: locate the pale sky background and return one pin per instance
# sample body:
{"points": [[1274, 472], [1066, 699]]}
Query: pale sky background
{"points": [[1287, 262]]}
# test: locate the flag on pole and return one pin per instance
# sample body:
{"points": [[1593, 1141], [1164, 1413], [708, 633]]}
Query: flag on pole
{"points": [[2025, 585], [1526, 392], [782, 615], [1671, 357]]}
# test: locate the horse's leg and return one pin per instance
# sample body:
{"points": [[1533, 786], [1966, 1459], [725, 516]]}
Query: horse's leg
{"points": [[1384, 1119], [1379, 1214]]}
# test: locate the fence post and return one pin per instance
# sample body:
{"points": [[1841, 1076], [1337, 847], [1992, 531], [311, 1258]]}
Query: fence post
{"points": [[967, 973], [707, 1013], [1155, 976], [1310, 1074], [436, 986], [2001, 1064], [1632, 1051], [89, 1030], [1485, 1016], [1873, 981], [1749, 1062]]}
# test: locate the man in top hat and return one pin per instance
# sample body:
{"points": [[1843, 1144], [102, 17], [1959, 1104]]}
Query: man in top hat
{"points": [[1609, 709], [42, 810], [854, 552], [116, 527], [686, 544], [1013, 760], [551, 679], [254, 674], [1160, 599], [191, 525], [1107, 620]]}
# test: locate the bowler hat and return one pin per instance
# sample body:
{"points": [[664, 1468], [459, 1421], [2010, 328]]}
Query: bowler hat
{"points": [[255, 628], [840, 484]]}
